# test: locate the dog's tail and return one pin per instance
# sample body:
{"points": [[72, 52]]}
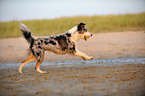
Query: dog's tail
{"points": [[26, 32]]}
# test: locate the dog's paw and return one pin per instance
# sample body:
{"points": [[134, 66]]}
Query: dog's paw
{"points": [[90, 58]]}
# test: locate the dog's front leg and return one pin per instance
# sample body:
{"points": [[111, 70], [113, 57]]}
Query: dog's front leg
{"points": [[83, 55]]}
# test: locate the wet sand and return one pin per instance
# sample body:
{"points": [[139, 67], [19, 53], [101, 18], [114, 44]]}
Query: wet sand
{"points": [[124, 80], [82, 79]]}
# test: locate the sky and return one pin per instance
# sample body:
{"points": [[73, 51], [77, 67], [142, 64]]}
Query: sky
{"points": [[49, 9]]}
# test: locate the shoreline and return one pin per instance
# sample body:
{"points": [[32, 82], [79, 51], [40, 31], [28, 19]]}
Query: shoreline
{"points": [[73, 63]]}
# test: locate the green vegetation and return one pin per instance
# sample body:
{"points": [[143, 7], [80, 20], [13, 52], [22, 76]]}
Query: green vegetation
{"points": [[95, 24]]}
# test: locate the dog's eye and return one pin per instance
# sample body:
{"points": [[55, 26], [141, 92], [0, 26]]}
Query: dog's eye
{"points": [[85, 30]]}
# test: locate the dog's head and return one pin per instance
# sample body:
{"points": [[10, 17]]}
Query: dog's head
{"points": [[83, 32]]}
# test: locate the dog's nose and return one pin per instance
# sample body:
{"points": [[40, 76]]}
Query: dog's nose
{"points": [[91, 34]]}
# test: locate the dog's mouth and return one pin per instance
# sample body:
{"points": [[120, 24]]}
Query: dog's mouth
{"points": [[86, 37]]}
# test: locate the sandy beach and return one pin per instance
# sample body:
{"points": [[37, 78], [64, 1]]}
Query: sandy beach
{"points": [[101, 46], [77, 80]]}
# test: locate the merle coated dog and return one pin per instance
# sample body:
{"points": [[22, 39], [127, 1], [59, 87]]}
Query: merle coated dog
{"points": [[60, 44]]}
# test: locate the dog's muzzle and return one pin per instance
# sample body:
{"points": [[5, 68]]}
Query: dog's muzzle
{"points": [[87, 37]]}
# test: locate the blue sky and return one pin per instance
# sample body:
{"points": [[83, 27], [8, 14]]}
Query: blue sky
{"points": [[48, 9]]}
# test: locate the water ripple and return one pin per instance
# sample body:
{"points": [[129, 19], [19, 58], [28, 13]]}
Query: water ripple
{"points": [[82, 62]]}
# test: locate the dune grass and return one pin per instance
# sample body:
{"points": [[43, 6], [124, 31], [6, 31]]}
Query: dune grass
{"points": [[95, 24]]}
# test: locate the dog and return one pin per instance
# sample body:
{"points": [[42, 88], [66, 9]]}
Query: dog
{"points": [[59, 44]]}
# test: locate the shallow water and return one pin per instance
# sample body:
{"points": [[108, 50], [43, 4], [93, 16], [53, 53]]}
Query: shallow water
{"points": [[120, 61]]}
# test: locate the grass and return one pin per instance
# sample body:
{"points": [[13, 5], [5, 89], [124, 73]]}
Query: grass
{"points": [[95, 24]]}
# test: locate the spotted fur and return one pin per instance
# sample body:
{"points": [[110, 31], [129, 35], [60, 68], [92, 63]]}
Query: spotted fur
{"points": [[60, 44]]}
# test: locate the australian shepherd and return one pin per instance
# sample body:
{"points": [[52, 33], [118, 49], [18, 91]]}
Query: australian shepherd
{"points": [[60, 44]]}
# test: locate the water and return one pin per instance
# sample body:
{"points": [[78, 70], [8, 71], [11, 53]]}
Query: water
{"points": [[82, 63]]}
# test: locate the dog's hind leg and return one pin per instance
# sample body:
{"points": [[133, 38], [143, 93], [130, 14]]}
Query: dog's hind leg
{"points": [[28, 60], [39, 61], [38, 69]]}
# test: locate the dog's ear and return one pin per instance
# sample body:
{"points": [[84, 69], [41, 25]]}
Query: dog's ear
{"points": [[81, 26]]}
